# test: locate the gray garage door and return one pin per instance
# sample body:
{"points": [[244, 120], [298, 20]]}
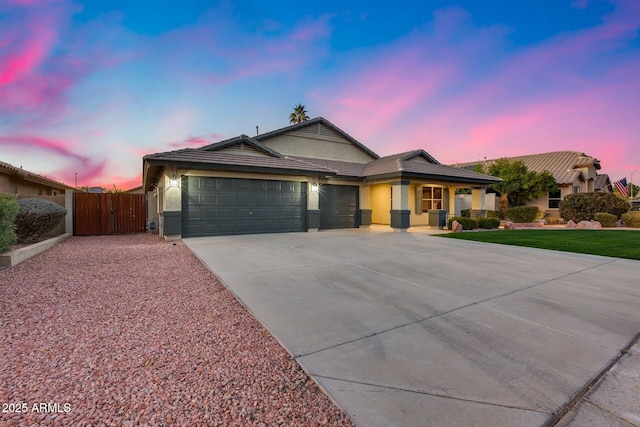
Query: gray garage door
{"points": [[224, 206], [338, 206]]}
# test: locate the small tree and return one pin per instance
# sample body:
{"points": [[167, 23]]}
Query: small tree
{"points": [[504, 188], [299, 114], [8, 211], [531, 185]]}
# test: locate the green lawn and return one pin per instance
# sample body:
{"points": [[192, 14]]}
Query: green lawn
{"points": [[614, 243]]}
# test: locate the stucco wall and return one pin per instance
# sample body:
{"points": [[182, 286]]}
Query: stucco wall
{"points": [[415, 218], [9, 184], [318, 148], [381, 204]]}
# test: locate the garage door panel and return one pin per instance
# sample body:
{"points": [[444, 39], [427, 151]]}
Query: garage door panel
{"points": [[220, 206], [339, 206]]}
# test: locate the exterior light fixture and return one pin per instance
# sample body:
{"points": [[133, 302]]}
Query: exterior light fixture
{"points": [[173, 182], [314, 188]]}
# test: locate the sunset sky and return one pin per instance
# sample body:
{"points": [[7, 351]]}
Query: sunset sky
{"points": [[91, 87]]}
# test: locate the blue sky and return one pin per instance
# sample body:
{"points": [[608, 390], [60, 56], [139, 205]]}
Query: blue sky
{"points": [[91, 87]]}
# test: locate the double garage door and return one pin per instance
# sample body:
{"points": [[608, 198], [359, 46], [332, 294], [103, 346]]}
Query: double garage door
{"points": [[226, 206]]}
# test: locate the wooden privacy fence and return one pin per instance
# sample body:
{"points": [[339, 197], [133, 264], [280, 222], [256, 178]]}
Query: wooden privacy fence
{"points": [[108, 213]]}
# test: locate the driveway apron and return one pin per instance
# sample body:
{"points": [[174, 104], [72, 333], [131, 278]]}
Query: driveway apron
{"points": [[406, 329]]}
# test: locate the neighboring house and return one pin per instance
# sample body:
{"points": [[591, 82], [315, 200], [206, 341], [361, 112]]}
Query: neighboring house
{"points": [[574, 172], [134, 190], [303, 177], [21, 183]]}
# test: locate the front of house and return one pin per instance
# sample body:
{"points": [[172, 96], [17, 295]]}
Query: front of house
{"points": [[304, 177], [22, 183], [574, 172]]}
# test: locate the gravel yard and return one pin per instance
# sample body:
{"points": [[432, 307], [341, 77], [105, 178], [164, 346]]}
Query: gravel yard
{"points": [[132, 330]]}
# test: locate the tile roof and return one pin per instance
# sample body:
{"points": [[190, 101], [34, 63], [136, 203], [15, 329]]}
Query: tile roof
{"points": [[340, 167], [603, 183], [214, 158], [405, 162], [242, 138], [561, 164], [33, 177]]}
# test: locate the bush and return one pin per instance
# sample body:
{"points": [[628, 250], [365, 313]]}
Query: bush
{"points": [[465, 213], [8, 210], [488, 223], [606, 219], [36, 218], [584, 206], [492, 214], [467, 223], [631, 219], [522, 214], [553, 220]]}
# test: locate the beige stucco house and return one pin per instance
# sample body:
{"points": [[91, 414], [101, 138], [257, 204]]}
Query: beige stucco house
{"points": [[22, 183], [574, 172], [308, 176]]}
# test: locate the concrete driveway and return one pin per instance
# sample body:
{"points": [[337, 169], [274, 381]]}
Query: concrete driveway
{"points": [[406, 329]]}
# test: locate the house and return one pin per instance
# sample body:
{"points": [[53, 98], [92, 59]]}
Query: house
{"points": [[22, 183], [574, 172], [303, 177], [135, 190]]}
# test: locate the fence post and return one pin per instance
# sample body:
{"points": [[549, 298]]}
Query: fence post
{"points": [[68, 204]]}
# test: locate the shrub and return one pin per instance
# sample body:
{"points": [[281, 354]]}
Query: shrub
{"points": [[584, 206], [8, 210], [467, 223], [606, 219], [492, 214], [522, 214], [36, 218], [488, 223], [631, 219], [465, 213], [553, 220]]}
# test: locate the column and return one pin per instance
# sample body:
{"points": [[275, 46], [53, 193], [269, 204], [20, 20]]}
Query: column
{"points": [[365, 206], [479, 202], [400, 213], [313, 206]]}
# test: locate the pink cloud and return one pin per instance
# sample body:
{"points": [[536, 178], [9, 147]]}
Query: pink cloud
{"points": [[196, 141], [447, 96], [87, 168], [32, 75]]}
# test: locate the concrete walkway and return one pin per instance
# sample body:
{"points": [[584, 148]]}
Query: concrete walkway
{"points": [[406, 329]]}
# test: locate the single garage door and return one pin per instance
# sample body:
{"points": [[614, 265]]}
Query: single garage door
{"points": [[224, 206], [339, 206]]}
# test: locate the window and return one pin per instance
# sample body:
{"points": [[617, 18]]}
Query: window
{"points": [[431, 198], [555, 197], [576, 189]]}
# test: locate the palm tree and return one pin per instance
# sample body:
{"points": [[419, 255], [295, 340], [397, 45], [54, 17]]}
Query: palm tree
{"points": [[504, 188], [299, 114]]}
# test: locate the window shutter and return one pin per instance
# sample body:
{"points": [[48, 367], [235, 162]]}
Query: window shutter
{"points": [[446, 191], [418, 199]]}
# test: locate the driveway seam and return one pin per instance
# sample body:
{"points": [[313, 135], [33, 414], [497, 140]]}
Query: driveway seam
{"points": [[413, 322], [611, 413], [427, 393]]}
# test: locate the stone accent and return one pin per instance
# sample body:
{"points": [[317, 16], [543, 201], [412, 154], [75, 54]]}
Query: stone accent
{"points": [[589, 225], [456, 227], [509, 225], [571, 224]]}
